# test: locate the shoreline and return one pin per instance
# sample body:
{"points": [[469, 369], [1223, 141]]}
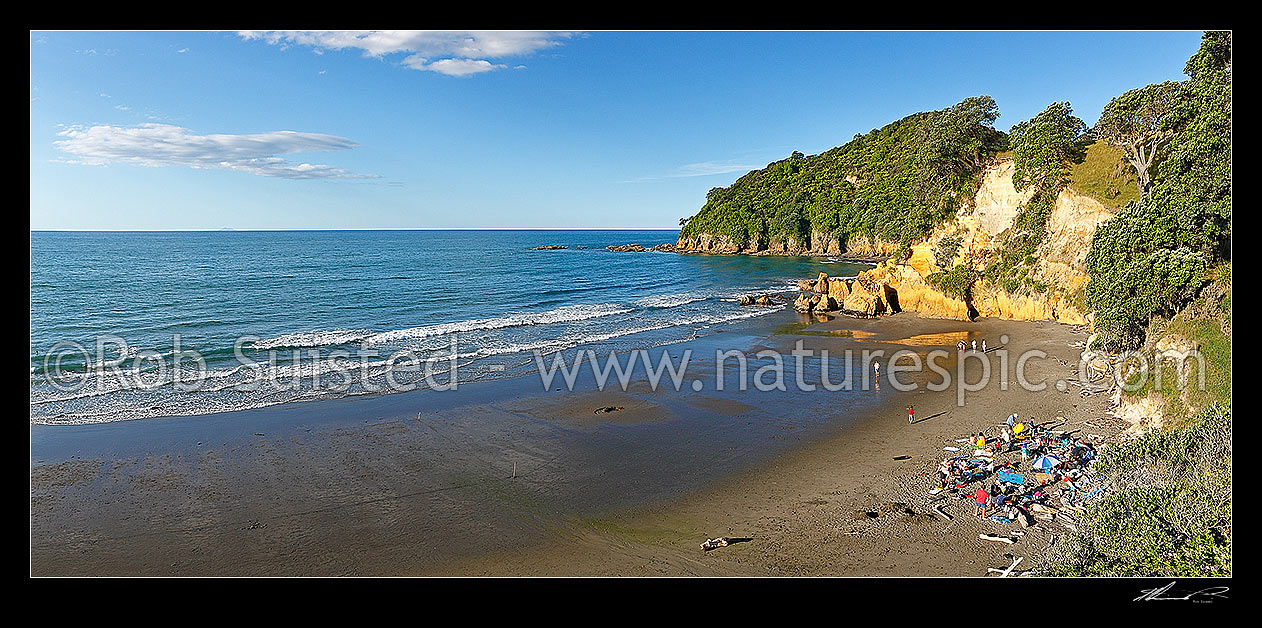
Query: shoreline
{"points": [[512, 480]]}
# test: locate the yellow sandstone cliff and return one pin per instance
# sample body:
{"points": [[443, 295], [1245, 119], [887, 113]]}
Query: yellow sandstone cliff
{"points": [[982, 227]]}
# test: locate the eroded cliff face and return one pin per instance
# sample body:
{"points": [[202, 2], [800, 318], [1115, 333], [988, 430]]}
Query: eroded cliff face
{"points": [[982, 228]]}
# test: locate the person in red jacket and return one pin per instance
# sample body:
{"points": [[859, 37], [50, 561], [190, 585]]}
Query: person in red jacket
{"points": [[911, 414], [981, 496]]}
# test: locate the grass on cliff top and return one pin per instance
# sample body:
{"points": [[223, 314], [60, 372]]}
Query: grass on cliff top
{"points": [[1105, 175]]}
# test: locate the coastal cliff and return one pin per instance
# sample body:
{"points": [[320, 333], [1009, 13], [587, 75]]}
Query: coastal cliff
{"points": [[817, 243], [978, 232]]}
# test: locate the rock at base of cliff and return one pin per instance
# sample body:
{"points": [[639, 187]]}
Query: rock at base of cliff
{"points": [[626, 248], [804, 303], [838, 289], [864, 300], [821, 284]]}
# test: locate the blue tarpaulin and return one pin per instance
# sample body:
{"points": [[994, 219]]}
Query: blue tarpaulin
{"points": [[1015, 478]]}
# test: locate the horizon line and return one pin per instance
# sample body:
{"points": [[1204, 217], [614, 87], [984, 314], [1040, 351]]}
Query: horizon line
{"points": [[221, 229]]}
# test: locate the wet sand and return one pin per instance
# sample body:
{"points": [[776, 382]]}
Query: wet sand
{"points": [[505, 478]]}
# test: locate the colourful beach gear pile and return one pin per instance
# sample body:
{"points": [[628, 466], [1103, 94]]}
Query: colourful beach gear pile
{"points": [[1029, 473]]}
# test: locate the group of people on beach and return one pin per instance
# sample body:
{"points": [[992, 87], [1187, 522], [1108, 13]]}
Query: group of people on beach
{"points": [[1008, 495], [964, 347]]}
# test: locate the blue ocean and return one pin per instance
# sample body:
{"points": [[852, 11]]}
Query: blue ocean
{"points": [[258, 318]]}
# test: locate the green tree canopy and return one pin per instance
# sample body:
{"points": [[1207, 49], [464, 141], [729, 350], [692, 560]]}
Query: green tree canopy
{"points": [[1136, 123], [1044, 146], [1152, 257], [894, 183]]}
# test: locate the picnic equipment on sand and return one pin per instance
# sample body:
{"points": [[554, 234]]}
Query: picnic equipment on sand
{"points": [[1045, 462]]}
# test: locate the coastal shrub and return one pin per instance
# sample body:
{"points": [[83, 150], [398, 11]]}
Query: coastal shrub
{"points": [[1045, 147], [955, 282], [1168, 512], [946, 250], [894, 183], [1138, 270], [1204, 323]]}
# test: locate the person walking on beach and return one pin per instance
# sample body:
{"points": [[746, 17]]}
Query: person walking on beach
{"points": [[962, 346], [974, 346], [983, 345], [911, 414]]}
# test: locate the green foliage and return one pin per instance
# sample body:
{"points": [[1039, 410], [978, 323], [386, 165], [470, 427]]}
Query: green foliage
{"points": [[1151, 257], [960, 139], [1044, 146], [955, 282], [946, 250], [1193, 181], [894, 183], [1203, 323], [1168, 512], [1137, 271], [1136, 123]]}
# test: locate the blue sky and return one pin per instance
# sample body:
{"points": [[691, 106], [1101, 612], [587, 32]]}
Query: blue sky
{"points": [[302, 130]]}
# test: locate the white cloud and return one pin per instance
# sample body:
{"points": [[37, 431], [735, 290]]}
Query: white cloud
{"points": [[167, 145], [452, 67], [454, 53]]}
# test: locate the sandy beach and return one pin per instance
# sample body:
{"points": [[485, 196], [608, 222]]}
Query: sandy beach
{"points": [[505, 478]]}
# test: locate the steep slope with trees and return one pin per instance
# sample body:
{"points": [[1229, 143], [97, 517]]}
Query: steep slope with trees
{"points": [[880, 191]]}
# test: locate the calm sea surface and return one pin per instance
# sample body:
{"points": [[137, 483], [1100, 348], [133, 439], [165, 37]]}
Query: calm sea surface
{"points": [[277, 317]]}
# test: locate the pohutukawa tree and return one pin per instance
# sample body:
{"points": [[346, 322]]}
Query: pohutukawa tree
{"points": [[1044, 146], [1136, 123], [963, 136]]}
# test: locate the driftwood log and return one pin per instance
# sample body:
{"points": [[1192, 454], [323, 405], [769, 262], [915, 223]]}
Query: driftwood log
{"points": [[995, 537]]}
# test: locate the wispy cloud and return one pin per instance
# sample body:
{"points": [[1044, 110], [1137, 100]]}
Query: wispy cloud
{"points": [[454, 53], [705, 169], [156, 145]]}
